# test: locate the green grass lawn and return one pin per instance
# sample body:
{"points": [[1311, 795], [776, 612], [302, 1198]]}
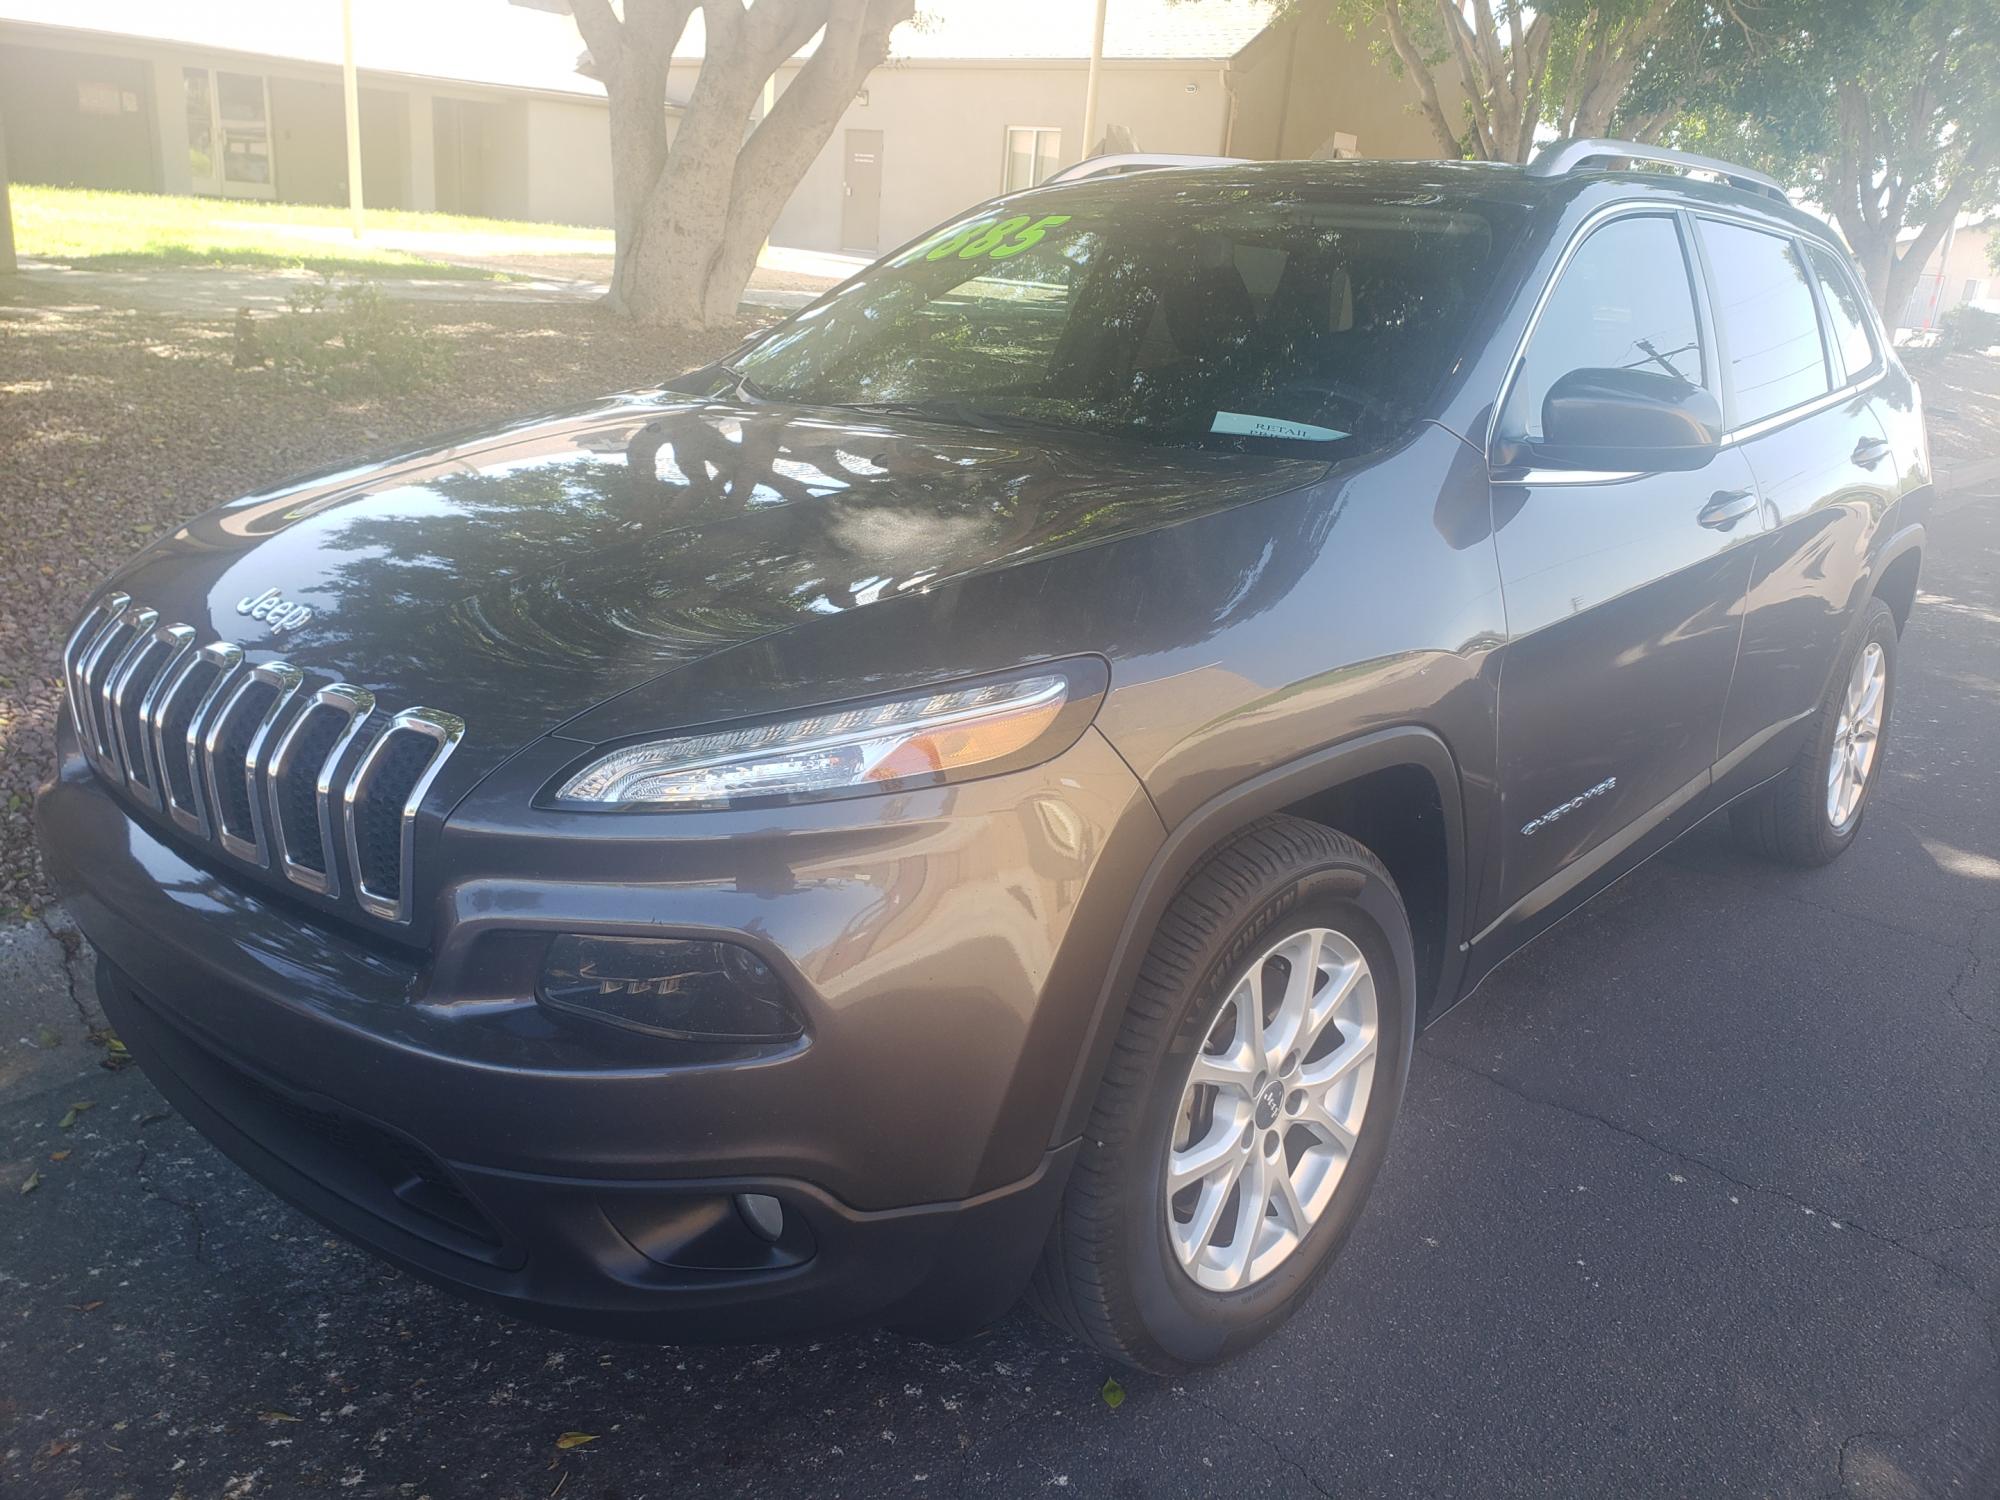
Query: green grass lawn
{"points": [[150, 230]]}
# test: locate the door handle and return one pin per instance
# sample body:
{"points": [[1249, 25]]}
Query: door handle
{"points": [[1870, 452], [1726, 507]]}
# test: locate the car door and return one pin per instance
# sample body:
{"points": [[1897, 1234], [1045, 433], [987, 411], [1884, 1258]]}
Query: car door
{"points": [[1800, 370], [1623, 592]]}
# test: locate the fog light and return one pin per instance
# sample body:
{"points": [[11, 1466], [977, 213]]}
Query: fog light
{"points": [[695, 991], [764, 1214]]}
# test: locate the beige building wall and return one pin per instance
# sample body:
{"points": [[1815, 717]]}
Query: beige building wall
{"points": [[1302, 85], [539, 156], [568, 164], [1957, 272], [944, 135]]}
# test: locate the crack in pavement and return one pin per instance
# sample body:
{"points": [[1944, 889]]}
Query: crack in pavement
{"points": [[1882, 1438], [71, 942], [1950, 1273], [1277, 1450], [193, 1211], [1979, 914]]}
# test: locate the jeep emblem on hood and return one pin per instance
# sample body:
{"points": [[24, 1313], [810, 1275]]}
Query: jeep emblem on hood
{"points": [[274, 610]]}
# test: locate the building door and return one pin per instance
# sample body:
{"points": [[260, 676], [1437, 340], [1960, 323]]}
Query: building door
{"points": [[229, 133], [861, 208]]}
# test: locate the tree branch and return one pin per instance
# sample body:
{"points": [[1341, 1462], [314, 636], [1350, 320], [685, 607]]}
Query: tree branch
{"points": [[1464, 48], [1420, 74]]}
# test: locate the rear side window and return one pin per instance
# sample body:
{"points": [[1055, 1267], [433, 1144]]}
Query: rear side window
{"points": [[1769, 325], [1623, 302], [1853, 344]]}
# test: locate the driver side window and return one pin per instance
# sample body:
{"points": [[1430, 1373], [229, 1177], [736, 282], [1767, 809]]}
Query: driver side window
{"points": [[1624, 301]]}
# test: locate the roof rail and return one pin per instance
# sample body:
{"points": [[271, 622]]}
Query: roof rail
{"points": [[1559, 157], [1135, 161]]}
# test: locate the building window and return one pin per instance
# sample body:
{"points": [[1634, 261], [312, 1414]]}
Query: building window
{"points": [[229, 133], [1032, 153], [1971, 289]]}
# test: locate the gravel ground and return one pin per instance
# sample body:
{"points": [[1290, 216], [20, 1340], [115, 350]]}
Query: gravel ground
{"points": [[1962, 402], [115, 425]]}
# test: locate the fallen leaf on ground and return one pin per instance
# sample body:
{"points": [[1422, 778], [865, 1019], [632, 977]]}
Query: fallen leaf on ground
{"points": [[34, 1181], [58, 1156], [91, 1306], [277, 1416], [575, 1439], [1113, 1394], [70, 1114], [48, 1036]]}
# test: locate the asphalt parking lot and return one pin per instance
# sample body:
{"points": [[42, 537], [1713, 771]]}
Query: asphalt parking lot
{"points": [[1698, 1196]]}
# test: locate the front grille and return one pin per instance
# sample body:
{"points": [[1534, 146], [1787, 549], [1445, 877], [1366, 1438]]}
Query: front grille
{"points": [[250, 758]]}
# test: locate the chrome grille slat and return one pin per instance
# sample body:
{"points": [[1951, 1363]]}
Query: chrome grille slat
{"points": [[96, 619], [446, 730], [96, 746], [226, 659], [357, 704], [140, 622], [142, 670], [170, 724], [283, 679]]}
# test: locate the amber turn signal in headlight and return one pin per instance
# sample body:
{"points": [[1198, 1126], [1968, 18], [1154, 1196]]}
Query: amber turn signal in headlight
{"points": [[884, 746]]}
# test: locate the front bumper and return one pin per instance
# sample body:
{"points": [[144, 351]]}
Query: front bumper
{"points": [[401, 1100]]}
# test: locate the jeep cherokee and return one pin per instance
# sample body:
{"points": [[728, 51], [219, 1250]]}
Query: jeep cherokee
{"points": [[982, 787]]}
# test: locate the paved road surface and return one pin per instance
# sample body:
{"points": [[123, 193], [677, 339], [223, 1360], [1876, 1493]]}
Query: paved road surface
{"points": [[1698, 1196]]}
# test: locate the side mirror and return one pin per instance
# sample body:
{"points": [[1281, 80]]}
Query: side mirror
{"points": [[1619, 420]]}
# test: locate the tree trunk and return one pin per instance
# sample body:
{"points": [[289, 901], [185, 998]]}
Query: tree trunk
{"points": [[691, 214], [7, 264], [1874, 210]]}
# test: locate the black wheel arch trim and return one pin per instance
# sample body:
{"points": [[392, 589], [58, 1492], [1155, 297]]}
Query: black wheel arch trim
{"points": [[1216, 820], [1904, 540], [1907, 538]]}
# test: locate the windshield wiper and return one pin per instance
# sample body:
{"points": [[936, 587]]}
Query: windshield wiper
{"points": [[960, 413], [744, 384]]}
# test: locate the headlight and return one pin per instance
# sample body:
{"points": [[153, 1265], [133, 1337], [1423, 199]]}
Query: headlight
{"points": [[890, 745]]}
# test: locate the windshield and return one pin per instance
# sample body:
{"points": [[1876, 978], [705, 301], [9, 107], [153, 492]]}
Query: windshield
{"points": [[1204, 312]]}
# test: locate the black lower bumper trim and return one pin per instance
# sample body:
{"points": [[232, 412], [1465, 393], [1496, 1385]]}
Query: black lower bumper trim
{"points": [[565, 1251]]}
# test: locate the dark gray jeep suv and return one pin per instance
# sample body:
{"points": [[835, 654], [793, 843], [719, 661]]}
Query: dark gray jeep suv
{"points": [[983, 787]]}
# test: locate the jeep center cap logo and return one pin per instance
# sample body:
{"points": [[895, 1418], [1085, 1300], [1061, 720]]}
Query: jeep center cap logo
{"points": [[274, 610], [1268, 1103]]}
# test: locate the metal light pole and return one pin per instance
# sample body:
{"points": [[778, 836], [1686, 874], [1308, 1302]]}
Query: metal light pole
{"points": [[1090, 83], [352, 90]]}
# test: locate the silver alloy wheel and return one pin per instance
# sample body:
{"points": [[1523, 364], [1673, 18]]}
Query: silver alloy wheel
{"points": [[1272, 1109], [1857, 737]]}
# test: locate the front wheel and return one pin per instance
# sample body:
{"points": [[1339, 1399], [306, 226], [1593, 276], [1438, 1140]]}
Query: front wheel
{"points": [[1247, 1106], [1811, 813]]}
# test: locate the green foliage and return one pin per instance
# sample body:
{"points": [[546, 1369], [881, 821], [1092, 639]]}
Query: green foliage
{"points": [[346, 340], [1968, 329], [1918, 80]]}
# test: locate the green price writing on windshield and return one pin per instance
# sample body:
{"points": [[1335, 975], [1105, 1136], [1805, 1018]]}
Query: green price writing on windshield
{"points": [[995, 240]]}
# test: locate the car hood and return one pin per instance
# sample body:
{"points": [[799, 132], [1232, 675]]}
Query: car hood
{"points": [[518, 576]]}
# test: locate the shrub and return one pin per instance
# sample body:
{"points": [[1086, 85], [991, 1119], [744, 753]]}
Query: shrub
{"points": [[1968, 329], [346, 340]]}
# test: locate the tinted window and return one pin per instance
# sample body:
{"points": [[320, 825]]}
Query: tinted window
{"points": [[1209, 312], [1854, 346], [1624, 302], [1769, 325]]}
